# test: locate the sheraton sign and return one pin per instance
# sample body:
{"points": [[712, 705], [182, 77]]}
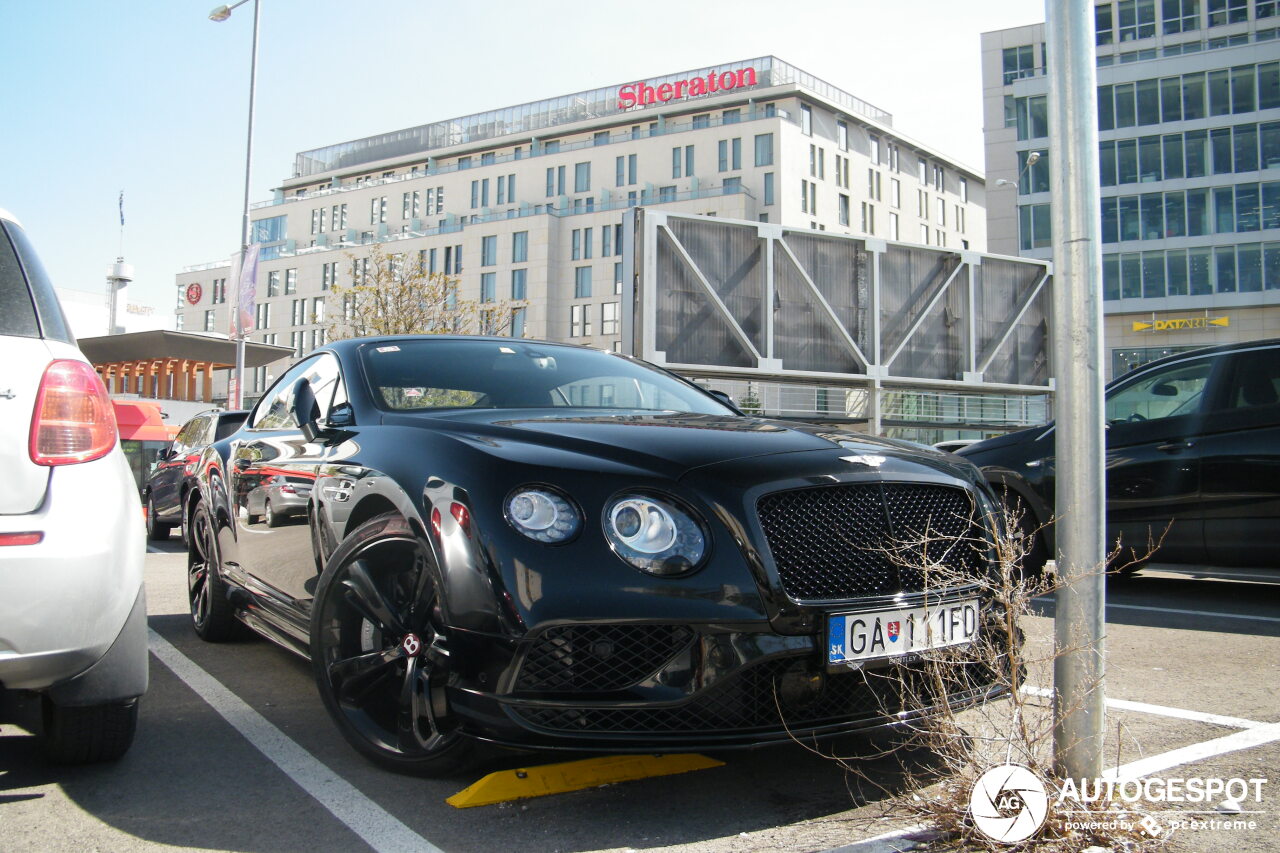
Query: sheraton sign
{"points": [[642, 94]]}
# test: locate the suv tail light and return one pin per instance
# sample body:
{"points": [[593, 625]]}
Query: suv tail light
{"points": [[73, 419]]}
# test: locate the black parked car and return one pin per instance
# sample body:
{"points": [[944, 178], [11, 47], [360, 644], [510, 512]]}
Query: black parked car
{"points": [[1193, 445], [169, 486], [542, 545]]}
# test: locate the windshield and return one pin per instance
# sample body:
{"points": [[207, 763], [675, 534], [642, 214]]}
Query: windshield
{"points": [[412, 375]]}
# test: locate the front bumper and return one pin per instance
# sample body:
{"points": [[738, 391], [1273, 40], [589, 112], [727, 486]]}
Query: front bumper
{"points": [[715, 688]]}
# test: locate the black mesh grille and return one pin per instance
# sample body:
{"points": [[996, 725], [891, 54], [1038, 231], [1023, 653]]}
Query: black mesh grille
{"points": [[833, 542], [757, 700], [599, 657]]}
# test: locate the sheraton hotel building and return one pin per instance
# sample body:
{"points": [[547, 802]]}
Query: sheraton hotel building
{"points": [[525, 204]]}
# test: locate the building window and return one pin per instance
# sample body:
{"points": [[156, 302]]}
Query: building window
{"points": [[924, 235], [844, 208], [893, 226], [732, 186], [666, 194], [488, 286], [581, 177], [317, 309], [1034, 226], [581, 282], [609, 318], [262, 316], [555, 181], [377, 210], [519, 247], [942, 211], [868, 218], [617, 278], [682, 156], [606, 240], [601, 138], [1102, 25], [298, 312], [806, 119], [519, 284], [764, 149], [579, 321], [895, 193], [1228, 12], [209, 320], [730, 151], [964, 189], [1137, 19], [768, 188], [873, 184], [842, 135], [517, 322], [1019, 62], [488, 250], [290, 281]]}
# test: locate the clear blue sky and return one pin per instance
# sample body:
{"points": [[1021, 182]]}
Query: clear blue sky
{"points": [[150, 97]]}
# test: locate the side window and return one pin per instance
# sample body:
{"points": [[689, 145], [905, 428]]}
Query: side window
{"points": [[1255, 380], [190, 433], [326, 383], [1172, 391], [275, 409]]}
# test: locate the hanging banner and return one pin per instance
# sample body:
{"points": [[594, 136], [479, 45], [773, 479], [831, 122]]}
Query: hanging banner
{"points": [[246, 278]]}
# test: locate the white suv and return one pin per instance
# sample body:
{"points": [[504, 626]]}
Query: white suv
{"points": [[73, 616]]}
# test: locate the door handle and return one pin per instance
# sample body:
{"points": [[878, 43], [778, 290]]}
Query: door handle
{"points": [[1176, 446]]}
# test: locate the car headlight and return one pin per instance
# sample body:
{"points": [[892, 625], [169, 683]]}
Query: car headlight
{"points": [[654, 535], [542, 515]]}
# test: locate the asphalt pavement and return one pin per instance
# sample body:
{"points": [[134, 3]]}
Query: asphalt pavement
{"points": [[235, 752]]}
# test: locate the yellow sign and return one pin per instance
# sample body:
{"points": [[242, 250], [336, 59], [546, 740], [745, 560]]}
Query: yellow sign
{"points": [[1181, 323]]}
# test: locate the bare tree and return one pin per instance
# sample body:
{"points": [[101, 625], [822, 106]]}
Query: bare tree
{"points": [[391, 294]]}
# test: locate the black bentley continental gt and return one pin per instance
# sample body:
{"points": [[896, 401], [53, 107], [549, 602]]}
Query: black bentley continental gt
{"points": [[547, 546]]}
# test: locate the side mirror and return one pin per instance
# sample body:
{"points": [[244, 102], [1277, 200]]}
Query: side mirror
{"points": [[305, 409], [724, 398], [341, 415]]}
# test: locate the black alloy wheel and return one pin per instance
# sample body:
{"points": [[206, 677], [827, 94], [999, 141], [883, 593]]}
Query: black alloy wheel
{"points": [[212, 615], [155, 530], [378, 651]]}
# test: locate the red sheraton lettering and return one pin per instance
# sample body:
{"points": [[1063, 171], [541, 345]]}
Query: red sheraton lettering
{"points": [[642, 94]]}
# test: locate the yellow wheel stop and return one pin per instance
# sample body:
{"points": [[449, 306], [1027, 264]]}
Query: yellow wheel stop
{"points": [[540, 781]]}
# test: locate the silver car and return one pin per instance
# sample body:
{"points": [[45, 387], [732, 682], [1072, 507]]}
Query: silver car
{"points": [[73, 615]]}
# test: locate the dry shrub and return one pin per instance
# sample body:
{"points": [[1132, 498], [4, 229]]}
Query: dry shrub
{"points": [[960, 740]]}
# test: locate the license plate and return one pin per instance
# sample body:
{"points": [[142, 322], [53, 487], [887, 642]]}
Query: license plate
{"points": [[888, 633]]}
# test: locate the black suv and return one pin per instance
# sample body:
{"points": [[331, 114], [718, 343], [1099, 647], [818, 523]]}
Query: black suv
{"points": [[1193, 445], [170, 483]]}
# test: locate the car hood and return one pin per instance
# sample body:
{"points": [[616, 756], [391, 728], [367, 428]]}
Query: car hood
{"points": [[668, 444], [977, 451]]}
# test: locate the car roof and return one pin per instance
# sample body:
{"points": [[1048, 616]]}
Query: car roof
{"points": [[1236, 346], [4, 214]]}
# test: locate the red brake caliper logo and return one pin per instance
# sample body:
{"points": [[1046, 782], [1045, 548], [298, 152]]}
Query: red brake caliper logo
{"points": [[411, 645]]}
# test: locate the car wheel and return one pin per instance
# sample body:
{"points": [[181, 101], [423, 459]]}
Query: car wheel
{"points": [[1035, 553], [87, 734], [212, 615], [155, 530], [379, 653], [269, 515]]}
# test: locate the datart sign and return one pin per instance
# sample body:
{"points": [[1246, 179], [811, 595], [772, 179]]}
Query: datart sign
{"points": [[642, 94], [1180, 324]]}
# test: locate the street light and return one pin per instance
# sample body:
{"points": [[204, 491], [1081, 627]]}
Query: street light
{"points": [[1032, 159], [222, 13]]}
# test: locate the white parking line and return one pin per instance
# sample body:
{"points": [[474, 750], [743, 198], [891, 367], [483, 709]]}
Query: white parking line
{"points": [[1196, 612], [378, 828], [1215, 613], [1160, 710], [1258, 736]]}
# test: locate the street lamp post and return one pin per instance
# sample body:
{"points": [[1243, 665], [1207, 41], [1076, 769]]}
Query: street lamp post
{"points": [[220, 14]]}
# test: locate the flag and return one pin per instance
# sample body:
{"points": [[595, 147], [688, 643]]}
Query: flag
{"points": [[246, 283], [121, 208]]}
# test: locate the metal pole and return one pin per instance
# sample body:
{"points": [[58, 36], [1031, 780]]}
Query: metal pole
{"points": [[1077, 349], [234, 400]]}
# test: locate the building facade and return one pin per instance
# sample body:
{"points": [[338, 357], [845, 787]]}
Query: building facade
{"points": [[525, 204], [1189, 157]]}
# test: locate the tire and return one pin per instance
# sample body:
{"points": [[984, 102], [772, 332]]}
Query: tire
{"points": [[385, 692], [1036, 553], [212, 615], [272, 518], [88, 734], [155, 530]]}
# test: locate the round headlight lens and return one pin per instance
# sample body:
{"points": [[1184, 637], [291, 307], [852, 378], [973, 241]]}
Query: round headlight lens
{"points": [[542, 515], [654, 535]]}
